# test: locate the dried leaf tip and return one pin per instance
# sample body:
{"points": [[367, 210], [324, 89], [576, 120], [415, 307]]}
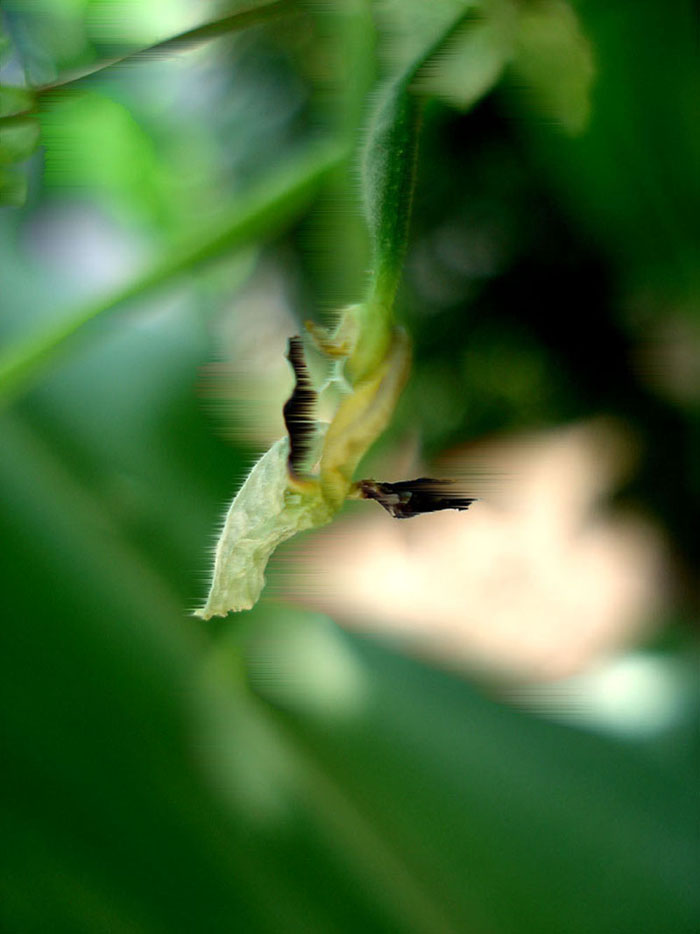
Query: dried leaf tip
{"points": [[409, 498]]}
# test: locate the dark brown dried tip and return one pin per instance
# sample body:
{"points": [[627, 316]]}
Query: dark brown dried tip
{"points": [[410, 498], [298, 409]]}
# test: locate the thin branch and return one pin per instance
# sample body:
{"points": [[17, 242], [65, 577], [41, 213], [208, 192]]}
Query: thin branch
{"points": [[241, 19]]}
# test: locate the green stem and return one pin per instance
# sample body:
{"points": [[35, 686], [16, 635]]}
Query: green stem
{"points": [[389, 173], [262, 213], [241, 19]]}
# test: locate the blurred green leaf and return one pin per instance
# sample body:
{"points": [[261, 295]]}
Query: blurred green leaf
{"points": [[4, 46], [473, 62], [542, 39], [94, 142], [109, 819], [555, 61], [260, 214], [15, 100], [19, 137], [149, 788], [506, 822], [13, 188]]}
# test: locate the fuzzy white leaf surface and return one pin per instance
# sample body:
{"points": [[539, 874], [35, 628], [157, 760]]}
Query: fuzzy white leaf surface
{"points": [[266, 512]]}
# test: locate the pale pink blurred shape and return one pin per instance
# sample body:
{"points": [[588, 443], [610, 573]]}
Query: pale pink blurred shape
{"points": [[536, 579], [250, 385]]}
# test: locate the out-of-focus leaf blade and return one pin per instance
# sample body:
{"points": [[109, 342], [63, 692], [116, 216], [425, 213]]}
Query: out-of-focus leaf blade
{"points": [[555, 61], [19, 137], [15, 100], [92, 142], [132, 783], [261, 213], [514, 824], [542, 40], [473, 62], [13, 187]]}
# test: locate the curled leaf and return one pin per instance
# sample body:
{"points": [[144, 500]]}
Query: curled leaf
{"points": [[276, 502], [268, 509]]}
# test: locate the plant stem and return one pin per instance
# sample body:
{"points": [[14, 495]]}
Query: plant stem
{"points": [[241, 19], [389, 173]]}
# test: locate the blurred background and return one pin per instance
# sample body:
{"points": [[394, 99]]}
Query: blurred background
{"points": [[470, 722]]}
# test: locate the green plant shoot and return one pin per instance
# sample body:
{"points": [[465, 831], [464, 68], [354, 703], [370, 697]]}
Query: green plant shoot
{"points": [[371, 355]]}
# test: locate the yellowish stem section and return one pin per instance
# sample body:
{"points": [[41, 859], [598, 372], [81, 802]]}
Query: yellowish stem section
{"points": [[361, 418]]}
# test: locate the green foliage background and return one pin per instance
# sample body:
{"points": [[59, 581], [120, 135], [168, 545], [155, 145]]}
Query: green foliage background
{"points": [[162, 775]]}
